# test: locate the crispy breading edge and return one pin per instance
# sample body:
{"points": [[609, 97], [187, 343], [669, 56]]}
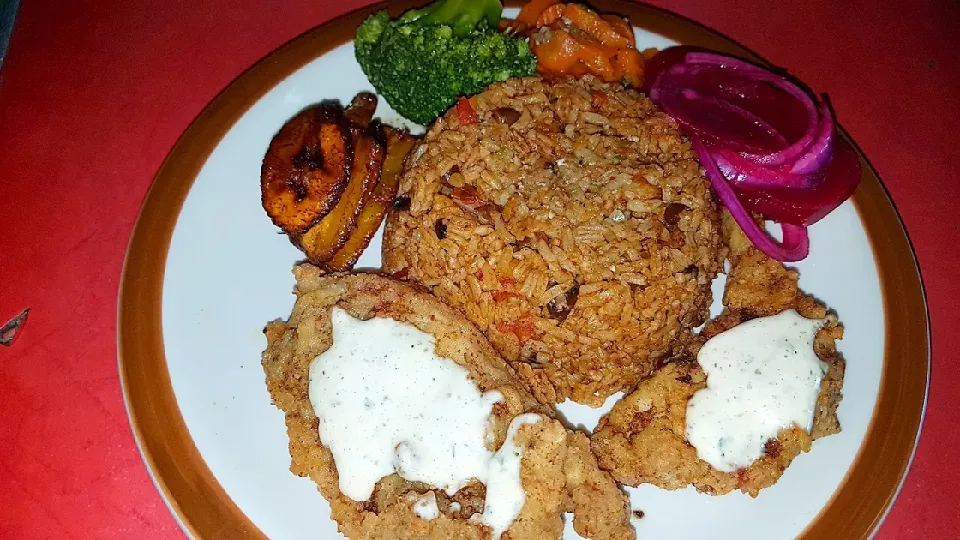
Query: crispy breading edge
{"points": [[640, 443], [293, 344]]}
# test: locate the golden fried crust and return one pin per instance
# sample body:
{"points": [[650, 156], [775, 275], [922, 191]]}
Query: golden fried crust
{"points": [[541, 473], [758, 286], [643, 439], [599, 507], [293, 344]]}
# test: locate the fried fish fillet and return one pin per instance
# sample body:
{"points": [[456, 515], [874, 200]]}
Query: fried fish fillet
{"points": [[643, 438], [557, 470]]}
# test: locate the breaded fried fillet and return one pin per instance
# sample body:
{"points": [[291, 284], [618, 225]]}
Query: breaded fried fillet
{"points": [[554, 471], [643, 439]]}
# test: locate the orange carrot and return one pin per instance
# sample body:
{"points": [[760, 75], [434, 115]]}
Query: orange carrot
{"points": [[591, 23], [629, 62], [557, 54], [597, 57], [531, 11], [622, 27], [649, 53], [575, 54], [552, 14], [580, 41]]}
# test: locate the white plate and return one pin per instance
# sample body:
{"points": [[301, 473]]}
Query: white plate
{"points": [[224, 283], [206, 270]]}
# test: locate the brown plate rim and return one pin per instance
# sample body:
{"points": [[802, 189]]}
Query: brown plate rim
{"points": [[204, 509]]}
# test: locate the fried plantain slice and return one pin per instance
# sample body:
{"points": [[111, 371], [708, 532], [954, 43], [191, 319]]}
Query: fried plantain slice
{"points": [[306, 168], [331, 233], [399, 144], [361, 108]]}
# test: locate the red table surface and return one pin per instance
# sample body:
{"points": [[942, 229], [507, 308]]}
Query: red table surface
{"points": [[94, 94]]}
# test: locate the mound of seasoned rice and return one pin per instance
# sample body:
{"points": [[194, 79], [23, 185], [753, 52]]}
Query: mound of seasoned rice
{"points": [[571, 223]]}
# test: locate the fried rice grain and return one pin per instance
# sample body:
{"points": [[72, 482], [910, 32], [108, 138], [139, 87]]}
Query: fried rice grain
{"points": [[571, 223]]}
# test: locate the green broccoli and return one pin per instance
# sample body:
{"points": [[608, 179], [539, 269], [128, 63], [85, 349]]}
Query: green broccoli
{"points": [[462, 15], [426, 59]]}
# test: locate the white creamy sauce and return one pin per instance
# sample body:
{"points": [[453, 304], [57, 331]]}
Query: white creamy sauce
{"points": [[505, 495], [425, 507], [387, 403], [762, 377]]}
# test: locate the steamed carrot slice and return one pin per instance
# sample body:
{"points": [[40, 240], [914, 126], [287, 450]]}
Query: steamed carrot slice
{"points": [[552, 14], [629, 62], [531, 11], [591, 23], [622, 27], [578, 40]]}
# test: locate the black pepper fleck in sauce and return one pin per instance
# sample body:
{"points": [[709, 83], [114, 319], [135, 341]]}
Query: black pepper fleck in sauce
{"points": [[737, 396]]}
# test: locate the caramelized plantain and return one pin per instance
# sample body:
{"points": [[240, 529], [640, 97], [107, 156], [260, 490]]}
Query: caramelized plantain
{"points": [[306, 168], [399, 144], [361, 109], [331, 232]]}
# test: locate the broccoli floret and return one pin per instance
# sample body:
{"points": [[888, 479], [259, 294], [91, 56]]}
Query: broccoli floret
{"points": [[462, 15], [423, 61]]}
